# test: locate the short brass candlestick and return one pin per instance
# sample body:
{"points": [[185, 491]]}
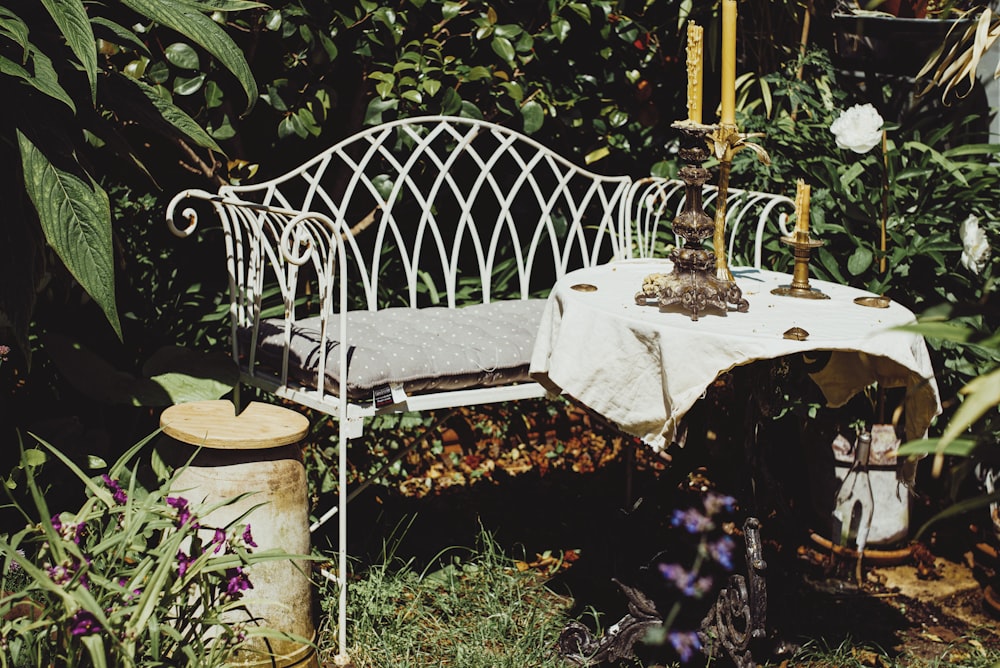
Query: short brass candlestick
{"points": [[802, 247]]}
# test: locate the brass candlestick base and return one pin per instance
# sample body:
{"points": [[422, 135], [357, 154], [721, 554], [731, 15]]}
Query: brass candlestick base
{"points": [[693, 284], [802, 247]]}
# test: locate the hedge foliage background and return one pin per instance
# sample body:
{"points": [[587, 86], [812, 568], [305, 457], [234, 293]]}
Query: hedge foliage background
{"points": [[195, 93]]}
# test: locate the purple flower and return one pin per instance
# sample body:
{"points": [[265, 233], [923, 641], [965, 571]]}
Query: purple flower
{"points": [[722, 552], [180, 504], [60, 574], [248, 537], [716, 503], [674, 573], [692, 521], [117, 493], [219, 540], [83, 623], [685, 642], [238, 582], [66, 571], [128, 596], [688, 583], [72, 532], [184, 561]]}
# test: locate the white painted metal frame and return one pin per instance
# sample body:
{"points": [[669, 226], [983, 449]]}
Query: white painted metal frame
{"points": [[653, 203], [443, 200]]}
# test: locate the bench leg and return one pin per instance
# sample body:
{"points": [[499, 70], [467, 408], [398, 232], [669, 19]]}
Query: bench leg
{"points": [[352, 428]]}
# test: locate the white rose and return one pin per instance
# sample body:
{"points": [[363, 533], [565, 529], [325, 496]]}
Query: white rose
{"points": [[975, 245], [858, 128]]}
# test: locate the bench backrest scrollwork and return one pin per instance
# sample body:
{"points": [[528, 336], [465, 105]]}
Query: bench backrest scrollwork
{"points": [[441, 211]]}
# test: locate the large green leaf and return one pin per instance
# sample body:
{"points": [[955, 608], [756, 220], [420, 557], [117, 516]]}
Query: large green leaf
{"points": [[224, 5], [70, 17], [982, 394], [188, 375], [142, 103], [946, 331], [118, 34], [189, 21], [503, 48], [956, 509], [41, 76], [75, 216], [960, 447], [12, 27]]}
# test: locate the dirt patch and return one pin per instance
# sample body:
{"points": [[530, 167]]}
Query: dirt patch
{"points": [[922, 612]]}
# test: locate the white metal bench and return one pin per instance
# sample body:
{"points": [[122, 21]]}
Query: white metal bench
{"points": [[429, 244]]}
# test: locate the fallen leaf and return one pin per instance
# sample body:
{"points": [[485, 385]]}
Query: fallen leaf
{"points": [[942, 633], [867, 657]]}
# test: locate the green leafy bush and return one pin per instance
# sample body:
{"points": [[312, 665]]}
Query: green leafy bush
{"points": [[67, 94], [933, 182], [972, 435]]}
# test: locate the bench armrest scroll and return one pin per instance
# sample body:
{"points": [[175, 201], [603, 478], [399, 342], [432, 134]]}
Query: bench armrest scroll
{"points": [[189, 213]]}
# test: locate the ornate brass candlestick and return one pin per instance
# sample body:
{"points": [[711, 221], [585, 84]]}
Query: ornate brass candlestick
{"points": [[693, 284], [802, 247]]}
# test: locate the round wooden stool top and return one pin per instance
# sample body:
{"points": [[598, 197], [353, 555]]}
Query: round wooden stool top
{"points": [[215, 424]]}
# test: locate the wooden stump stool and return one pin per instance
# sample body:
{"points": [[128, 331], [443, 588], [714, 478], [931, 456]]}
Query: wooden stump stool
{"points": [[255, 452]]}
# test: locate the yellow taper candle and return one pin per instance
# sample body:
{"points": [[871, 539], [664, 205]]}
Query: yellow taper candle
{"points": [[695, 48], [728, 116], [801, 208]]}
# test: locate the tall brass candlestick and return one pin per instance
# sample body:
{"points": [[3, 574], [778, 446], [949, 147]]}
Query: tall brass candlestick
{"points": [[691, 284]]}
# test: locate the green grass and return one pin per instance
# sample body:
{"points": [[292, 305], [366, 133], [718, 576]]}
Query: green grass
{"points": [[967, 653], [472, 608]]}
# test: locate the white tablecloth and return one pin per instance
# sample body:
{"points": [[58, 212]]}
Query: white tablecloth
{"points": [[644, 368]]}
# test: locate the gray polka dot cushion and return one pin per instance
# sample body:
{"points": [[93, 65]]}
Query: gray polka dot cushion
{"points": [[426, 349]]}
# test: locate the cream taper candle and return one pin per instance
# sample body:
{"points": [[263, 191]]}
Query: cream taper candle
{"points": [[802, 208], [695, 50], [728, 94]]}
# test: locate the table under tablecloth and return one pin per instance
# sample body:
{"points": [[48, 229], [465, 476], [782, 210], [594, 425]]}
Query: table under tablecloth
{"points": [[643, 368]]}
